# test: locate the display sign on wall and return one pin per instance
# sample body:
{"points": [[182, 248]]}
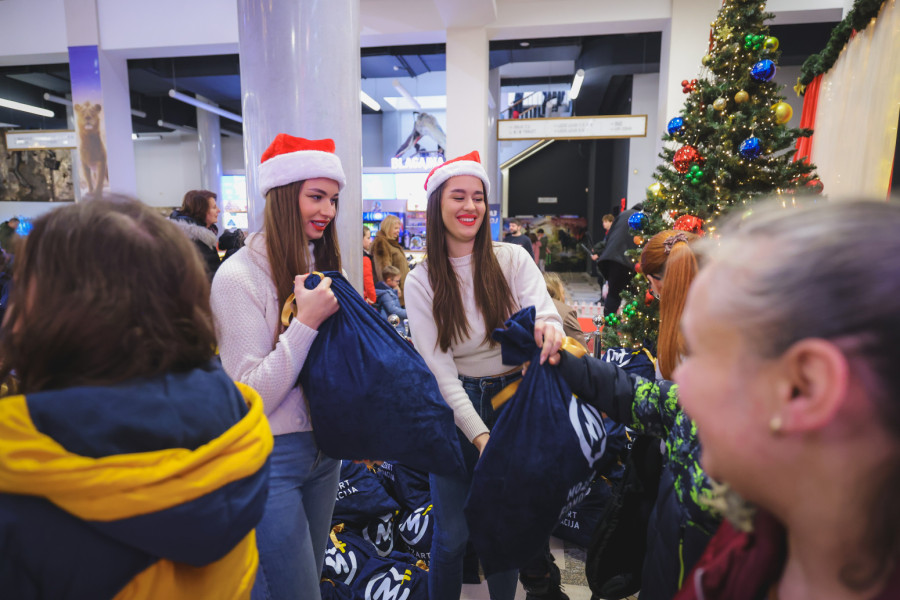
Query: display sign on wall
{"points": [[573, 128], [40, 140]]}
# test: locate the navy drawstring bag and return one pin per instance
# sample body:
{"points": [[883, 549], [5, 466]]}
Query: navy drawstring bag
{"points": [[370, 394], [578, 525], [539, 462], [346, 554], [409, 487], [383, 579]]}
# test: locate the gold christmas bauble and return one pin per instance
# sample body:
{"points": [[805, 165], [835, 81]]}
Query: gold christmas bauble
{"points": [[771, 44], [720, 104], [741, 97], [783, 112], [655, 189]]}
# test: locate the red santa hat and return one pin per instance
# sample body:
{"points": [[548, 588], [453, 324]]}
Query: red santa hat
{"points": [[468, 164], [289, 159]]}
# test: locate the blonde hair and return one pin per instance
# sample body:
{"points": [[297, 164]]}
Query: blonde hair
{"points": [[555, 286], [387, 224]]}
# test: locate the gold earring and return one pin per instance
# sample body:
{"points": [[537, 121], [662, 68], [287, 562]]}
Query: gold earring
{"points": [[775, 424]]}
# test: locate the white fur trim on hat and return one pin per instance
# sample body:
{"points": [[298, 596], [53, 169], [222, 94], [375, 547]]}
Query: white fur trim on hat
{"points": [[299, 166], [455, 168]]}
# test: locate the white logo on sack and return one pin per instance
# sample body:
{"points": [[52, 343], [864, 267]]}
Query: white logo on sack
{"points": [[619, 356], [416, 525], [384, 536], [341, 564], [588, 425], [388, 588]]}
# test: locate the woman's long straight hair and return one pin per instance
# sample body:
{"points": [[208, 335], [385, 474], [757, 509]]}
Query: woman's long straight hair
{"points": [[287, 246], [493, 297]]}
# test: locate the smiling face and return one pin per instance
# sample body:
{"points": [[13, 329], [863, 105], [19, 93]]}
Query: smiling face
{"points": [[318, 205], [462, 212], [394, 233]]}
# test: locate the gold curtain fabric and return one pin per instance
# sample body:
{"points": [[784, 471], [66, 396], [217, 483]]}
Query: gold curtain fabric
{"points": [[859, 104]]}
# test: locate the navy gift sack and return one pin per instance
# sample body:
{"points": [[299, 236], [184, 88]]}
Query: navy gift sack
{"points": [[335, 590], [370, 394], [539, 462]]}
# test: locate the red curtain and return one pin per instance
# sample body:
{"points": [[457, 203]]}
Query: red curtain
{"points": [[808, 118]]}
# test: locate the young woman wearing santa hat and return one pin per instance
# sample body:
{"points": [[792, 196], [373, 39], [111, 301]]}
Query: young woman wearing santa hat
{"points": [[467, 287], [300, 180]]}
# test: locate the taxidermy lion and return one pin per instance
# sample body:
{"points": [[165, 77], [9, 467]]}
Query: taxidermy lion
{"points": [[90, 146]]}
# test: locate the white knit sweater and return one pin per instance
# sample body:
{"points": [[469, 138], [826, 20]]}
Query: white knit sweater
{"points": [[247, 315], [472, 357]]}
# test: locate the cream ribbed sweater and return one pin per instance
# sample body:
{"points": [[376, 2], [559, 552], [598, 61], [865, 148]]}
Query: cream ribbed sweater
{"points": [[246, 312], [473, 357]]}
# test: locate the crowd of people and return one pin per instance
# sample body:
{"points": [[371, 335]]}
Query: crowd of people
{"points": [[155, 441]]}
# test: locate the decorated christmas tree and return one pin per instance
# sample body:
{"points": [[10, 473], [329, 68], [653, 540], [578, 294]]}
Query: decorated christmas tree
{"points": [[729, 146]]}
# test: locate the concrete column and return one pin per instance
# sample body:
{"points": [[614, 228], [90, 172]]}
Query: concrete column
{"points": [[101, 78], [491, 160], [209, 143], [685, 41], [300, 75], [468, 116]]}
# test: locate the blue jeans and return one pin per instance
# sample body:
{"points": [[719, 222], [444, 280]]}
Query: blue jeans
{"points": [[448, 495], [293, 533]]}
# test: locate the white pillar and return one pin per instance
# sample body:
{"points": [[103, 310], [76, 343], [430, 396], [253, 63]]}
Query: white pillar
{"points": [[491, 160], [209, 143], [685, 42], [467, 91], [111, 93], [300, 75]]}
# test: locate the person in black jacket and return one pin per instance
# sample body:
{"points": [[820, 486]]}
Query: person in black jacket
{"points": [[517, 236], [197, 219], [612, 262]]}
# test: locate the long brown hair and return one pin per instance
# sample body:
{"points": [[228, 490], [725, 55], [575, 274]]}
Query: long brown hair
{"points": [[287, 245], [678, 263], [493, 298], [105, 291]]}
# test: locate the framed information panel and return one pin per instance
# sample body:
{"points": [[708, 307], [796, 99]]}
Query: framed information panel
{"points": [[573, 128]]}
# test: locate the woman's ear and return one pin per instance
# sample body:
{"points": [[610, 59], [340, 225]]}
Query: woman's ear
{"points": [[815, 386]]}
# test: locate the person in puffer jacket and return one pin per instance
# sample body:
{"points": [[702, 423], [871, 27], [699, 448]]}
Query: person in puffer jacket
{"points": [[197, 219], [131, 465], [387, 293]]}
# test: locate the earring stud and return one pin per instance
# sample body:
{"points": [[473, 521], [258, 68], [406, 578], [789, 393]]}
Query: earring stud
{"points": [[775, 424]]}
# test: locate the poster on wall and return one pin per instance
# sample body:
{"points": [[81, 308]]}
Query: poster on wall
{"points": [[87, 103], [35, 175], [561, 239]]}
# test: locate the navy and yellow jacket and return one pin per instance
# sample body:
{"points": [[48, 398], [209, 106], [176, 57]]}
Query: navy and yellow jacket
{"points": [[147, 489]]}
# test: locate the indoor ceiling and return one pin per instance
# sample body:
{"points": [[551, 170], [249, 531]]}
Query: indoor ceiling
{"points": [[522, 62]]}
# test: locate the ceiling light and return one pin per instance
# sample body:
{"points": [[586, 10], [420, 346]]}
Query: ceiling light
{"points": [[205, 106], [43, 112], [145, 136], [405, 93], [576, 84], [369, 101], [524, 44], [67, 102], [421, 103], [183, 128]]}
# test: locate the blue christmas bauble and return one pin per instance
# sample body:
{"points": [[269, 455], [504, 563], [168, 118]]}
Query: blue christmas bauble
{"points": [[637, 221], [675, 125], [764, 70], [751, 147]]}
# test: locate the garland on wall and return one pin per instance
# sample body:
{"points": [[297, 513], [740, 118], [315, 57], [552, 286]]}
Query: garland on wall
{"points": [[859, 17]]}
